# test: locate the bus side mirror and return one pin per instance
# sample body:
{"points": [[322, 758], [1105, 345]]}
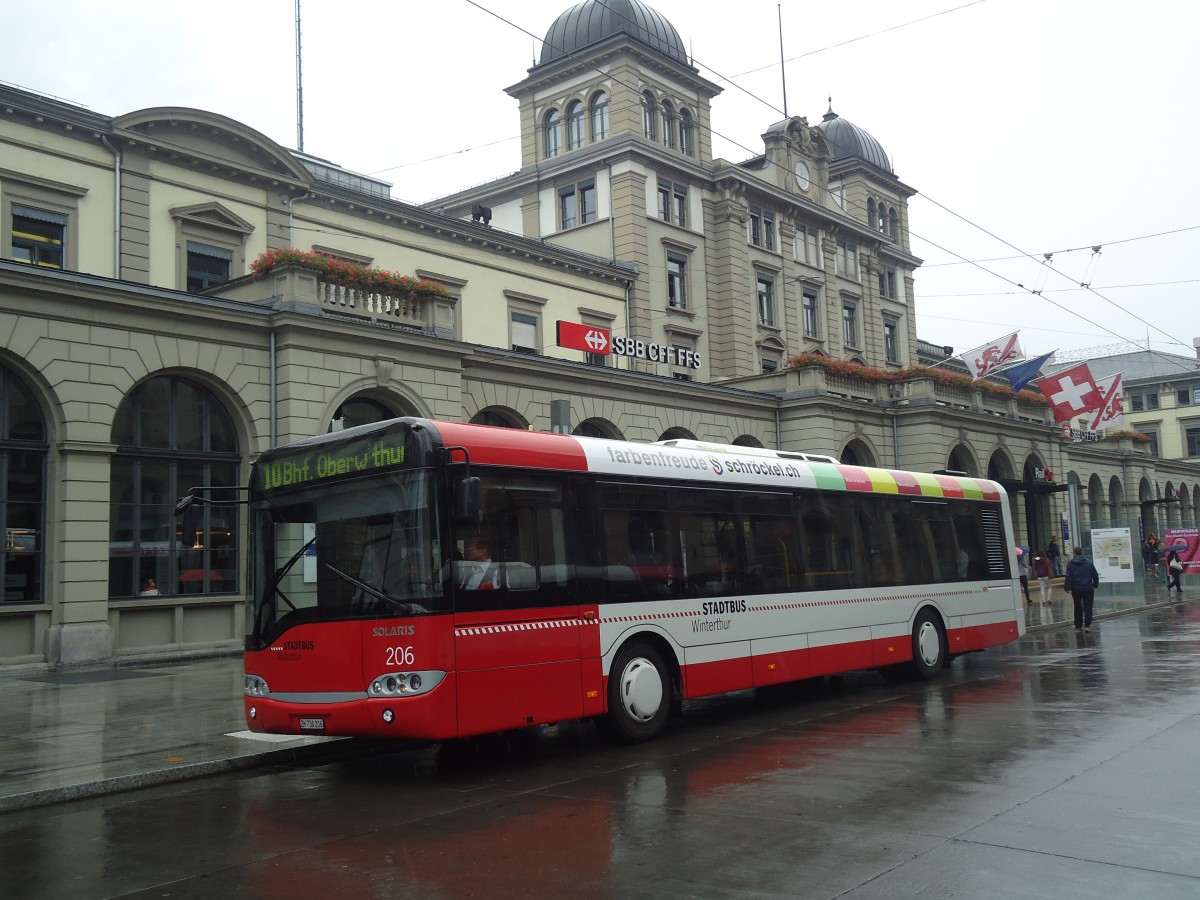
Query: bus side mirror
{"points": [[466, 501], [190, 518]]}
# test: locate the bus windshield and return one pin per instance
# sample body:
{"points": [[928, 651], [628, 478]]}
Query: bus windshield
{"points": [[348, 551]]}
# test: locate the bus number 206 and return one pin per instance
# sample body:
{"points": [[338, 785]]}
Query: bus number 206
{"points": [[399, 656]]}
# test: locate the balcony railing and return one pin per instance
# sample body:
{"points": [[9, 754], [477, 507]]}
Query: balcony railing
{"points": [[917, 391], [298, 288]]}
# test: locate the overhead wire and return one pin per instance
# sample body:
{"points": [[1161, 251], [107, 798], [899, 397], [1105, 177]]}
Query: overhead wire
{"points": [[1142, 237], [1047, 264]]}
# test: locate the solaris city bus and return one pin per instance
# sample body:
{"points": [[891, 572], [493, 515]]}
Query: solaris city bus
{"points": [[433, 580]]}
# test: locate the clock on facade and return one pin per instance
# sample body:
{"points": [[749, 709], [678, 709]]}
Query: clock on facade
{"points": [[802, 175]]}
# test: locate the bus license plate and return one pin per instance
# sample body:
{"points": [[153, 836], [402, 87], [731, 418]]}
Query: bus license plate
{"points": [[312, 724]]}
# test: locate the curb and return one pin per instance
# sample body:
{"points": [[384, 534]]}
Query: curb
{"points": [[312, 753]]}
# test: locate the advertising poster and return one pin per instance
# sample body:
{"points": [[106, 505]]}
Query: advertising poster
{"points": [[1186, 541], [1112, 552]]}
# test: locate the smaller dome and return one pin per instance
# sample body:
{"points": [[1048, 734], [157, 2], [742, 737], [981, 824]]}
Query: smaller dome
{"points": [[848, 141], [592, 21]]}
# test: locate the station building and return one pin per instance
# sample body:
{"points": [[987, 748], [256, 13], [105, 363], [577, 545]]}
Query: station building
{"points": [[162, 324]]}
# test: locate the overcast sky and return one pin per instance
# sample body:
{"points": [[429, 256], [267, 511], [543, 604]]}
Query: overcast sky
{"points": [[1027, 126]]}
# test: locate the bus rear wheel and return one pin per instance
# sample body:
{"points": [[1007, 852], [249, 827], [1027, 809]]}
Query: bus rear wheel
{"points": [[929, 645], [639, 696]]}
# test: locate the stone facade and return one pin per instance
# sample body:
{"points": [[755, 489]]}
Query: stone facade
{"points": [[124, 333]]}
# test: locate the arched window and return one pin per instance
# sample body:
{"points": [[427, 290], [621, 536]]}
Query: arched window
{"points": [[599, 116], [495, 418], [23, 451], [687, 140], [871, 212], [668, 123], [359, 411], [553, 126], [173, 435], [648, 115], [892, 221], [575, 125]]}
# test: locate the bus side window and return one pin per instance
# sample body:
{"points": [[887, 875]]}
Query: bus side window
{"points": [[712, 561], [638, 559], [827, 551], [914, 560], [969, 532], [772, 553], [950, 564], [526, 530]]}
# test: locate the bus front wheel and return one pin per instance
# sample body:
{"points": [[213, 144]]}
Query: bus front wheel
{"points": [[638, 693], [929, 645]]}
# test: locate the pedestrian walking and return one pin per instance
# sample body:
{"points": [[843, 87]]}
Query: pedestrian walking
{"points": [[1174, 570], [1055, 557], [1043, 571], [1081, 580], [1023, 571], [1155, 552]]}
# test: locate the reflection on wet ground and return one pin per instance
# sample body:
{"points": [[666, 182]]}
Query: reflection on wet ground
{"points": [[1059, 766]]}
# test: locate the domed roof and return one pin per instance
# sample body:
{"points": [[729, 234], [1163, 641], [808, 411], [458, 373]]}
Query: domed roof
{"points": [[850, 141], [592, 21]]}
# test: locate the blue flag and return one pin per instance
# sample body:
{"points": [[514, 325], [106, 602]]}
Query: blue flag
{"points": [[1023, 373]]}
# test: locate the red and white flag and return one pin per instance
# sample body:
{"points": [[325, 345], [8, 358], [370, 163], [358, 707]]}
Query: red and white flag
{"points": [[1072, 392], [985, 360], [1111, 412]]}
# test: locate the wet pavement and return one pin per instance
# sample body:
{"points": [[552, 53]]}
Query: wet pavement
{"points": [[87, 732]]}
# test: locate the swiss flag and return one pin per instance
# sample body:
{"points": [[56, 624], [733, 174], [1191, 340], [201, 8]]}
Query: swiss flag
{"points": [[1071, 392]]}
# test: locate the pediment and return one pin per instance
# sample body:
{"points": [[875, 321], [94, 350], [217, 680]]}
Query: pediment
{"points": [[197, 137], [214, 215]]}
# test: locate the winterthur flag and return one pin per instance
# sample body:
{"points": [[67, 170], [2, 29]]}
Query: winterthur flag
{"points": [[1111, 412], [1021, 375], [990, 357], [1072, 392]]}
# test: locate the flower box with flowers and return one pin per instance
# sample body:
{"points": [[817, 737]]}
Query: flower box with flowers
{"points": [[369, 282], [846, 369]]}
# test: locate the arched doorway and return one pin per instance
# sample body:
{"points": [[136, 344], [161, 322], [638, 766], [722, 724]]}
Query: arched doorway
{"points": [[498, 417], [173, 434], [361, 410], [597, 428], [23, 452], [962, 460], [677, 434], [858, 453], [745, 440]]}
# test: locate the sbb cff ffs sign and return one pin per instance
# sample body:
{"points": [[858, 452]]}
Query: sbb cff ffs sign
{"points": [[587, 338], [590, 339]]}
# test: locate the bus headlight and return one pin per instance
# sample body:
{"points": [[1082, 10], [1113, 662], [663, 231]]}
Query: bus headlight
{"points": [[404, 684], [255, 686]]}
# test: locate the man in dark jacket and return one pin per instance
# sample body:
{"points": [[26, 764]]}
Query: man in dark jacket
{"points": [[1055, 561], [1081, 579]]}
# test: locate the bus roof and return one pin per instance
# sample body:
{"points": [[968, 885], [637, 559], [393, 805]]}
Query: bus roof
{"points": [[747, 451], [490, 445], [414, 442]]}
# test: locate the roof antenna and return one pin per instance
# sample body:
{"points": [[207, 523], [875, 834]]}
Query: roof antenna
{"points": [[782, 67]]}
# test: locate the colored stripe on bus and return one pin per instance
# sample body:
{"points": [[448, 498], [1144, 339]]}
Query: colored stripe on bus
{"points": [[509, 447]]}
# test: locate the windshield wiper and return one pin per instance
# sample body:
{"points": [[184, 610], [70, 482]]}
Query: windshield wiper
{"points": [[375, 592], [283, 570]]}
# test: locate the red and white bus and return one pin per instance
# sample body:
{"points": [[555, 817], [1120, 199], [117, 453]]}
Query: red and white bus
{"points": [[432, 580]]}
